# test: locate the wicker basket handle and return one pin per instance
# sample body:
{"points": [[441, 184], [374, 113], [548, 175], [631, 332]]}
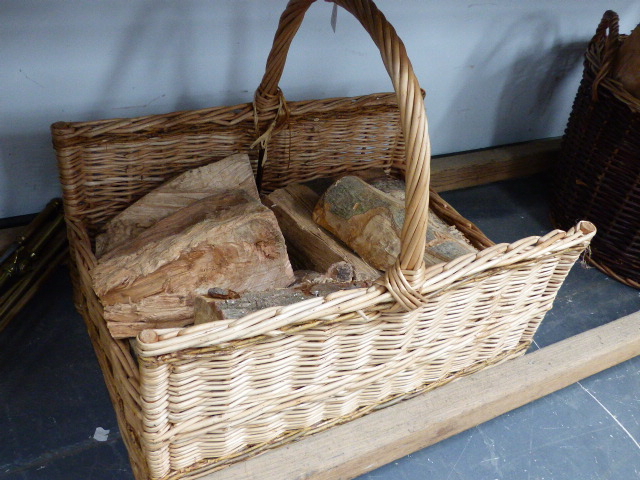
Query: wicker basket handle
{"points": [[413, 120], [608, 32]]}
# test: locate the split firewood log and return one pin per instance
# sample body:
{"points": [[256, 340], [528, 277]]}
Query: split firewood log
{"points": [[309, 246], [370, 221], [232, 172], [229, 240], [627, 64], [209, 309]]}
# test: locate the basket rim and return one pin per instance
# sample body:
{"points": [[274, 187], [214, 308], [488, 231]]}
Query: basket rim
{"points": [[64, 131], [338, 306], [594, 61]]}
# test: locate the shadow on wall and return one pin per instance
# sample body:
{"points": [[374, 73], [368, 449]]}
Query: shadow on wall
{"points": [[532, 100], [140, 46], [525, 96], [533, 94], [538, 108], [28, 172], [159, 41]]}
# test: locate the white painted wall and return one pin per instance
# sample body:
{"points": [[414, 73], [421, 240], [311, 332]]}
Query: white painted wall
{"points": [[495, 72]]}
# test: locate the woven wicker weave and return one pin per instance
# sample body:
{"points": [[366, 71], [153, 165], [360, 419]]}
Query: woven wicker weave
{"points": [[193, 400], [597, 176]]}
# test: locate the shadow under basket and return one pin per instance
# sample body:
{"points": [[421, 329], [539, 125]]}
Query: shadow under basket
{"points": [[597, 175], [193, 400]]}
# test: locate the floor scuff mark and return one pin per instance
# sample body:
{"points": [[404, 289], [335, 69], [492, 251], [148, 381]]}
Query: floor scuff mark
{"points": [[615, 419]]}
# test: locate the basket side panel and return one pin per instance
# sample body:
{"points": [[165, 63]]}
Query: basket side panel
{"points": [[105, 166], [222, 404], [117, 363], [326, 144]]}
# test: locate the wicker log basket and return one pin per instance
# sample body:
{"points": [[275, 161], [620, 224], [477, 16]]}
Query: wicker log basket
{"points": [[597, 176], [196, 399]]}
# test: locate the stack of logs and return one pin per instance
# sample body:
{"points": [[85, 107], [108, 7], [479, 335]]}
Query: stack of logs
{"points": [[626, 64], [204, 247]]}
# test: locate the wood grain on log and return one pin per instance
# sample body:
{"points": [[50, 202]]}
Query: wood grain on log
{"points": [[232, 172], [229, 240]]}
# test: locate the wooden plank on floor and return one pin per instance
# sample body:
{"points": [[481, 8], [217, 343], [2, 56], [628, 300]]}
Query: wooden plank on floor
{"points": [[362, 445], [469, 169]]}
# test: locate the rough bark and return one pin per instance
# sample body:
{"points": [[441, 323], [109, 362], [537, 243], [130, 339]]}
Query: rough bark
{"points": [[309, 246], [370, 221], [627, 64], [207, 309]]}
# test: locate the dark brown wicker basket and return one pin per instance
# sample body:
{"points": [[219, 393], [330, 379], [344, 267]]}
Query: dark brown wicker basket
{"points": [[597, 176]]}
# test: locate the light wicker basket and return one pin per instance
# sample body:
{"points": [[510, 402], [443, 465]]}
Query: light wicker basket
{"points": [[196, 399]]}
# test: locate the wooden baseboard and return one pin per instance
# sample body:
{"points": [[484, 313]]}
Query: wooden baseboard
{"points": [[349, 450], [450, 172]]}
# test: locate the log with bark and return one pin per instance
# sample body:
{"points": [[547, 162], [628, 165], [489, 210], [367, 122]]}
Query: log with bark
{"points": [[627, 63], [208, 309], [370, 221], [228, 240], [309, 246]]}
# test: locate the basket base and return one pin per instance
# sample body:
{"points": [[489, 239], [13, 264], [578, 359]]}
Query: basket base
{"points": [[594, 259], [610, 272]]}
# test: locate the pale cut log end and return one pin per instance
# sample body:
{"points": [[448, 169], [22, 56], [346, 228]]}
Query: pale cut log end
{"points": [[148, 336]]}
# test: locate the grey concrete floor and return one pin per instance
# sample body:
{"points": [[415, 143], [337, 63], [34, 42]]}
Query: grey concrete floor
{"points": [[52, 396]]}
